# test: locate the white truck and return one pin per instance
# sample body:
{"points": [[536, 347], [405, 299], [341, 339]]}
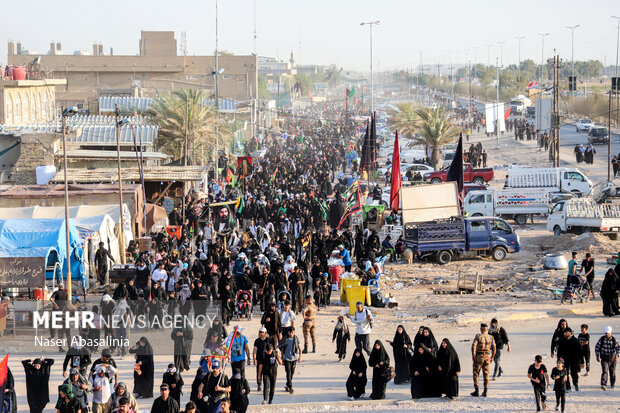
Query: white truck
{"points": [[508, 203], [570, 180], [581, 215], [518, 104]]}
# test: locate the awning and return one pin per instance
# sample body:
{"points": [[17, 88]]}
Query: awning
{"points": [[153, 174]]}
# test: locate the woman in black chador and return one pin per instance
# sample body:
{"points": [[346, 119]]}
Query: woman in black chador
{"points": [[401, 345], [379, 361], [449, 369]]}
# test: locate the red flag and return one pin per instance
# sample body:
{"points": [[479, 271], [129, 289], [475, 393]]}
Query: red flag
{"points": [[395, 182], [4, 370], [507, 114], [310, 94]]}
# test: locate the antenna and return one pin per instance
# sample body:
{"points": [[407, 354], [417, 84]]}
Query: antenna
{"points": [[183, 45]]}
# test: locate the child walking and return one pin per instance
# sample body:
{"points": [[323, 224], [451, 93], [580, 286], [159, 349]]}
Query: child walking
{"points": [[558, 375], [341, 335], [584, 340], [539, 377]]}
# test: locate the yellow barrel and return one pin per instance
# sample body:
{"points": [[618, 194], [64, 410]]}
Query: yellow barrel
{"points": [[357, 293], [344, 283]]}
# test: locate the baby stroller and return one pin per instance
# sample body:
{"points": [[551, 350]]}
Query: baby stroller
{"points": [[574, 289], [243, 305], [283, 296]]}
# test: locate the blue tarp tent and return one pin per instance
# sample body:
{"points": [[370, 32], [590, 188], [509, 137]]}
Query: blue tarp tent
{"points": [[21, 238]]}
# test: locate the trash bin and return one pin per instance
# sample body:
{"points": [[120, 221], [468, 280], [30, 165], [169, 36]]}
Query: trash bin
{"points": [[357, 293], [344, 283], [334, 272]]}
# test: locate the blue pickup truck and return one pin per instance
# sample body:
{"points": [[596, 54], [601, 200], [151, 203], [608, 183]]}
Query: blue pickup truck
{"points": [[446, 239]]}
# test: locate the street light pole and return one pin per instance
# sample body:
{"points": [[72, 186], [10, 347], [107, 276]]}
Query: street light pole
{"points": [[617, 49], [372, 81], [501, 53], [542, 55], [119, 123], [572, 53], [64, 114], [519, 38], [497, 114]]}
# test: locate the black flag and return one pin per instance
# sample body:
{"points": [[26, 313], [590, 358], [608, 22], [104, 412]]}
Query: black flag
{"points": [[365, 149], [455, 172]]}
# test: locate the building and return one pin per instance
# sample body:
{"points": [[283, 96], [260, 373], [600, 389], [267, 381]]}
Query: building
{"points": [[156, 68], [28, 101]]}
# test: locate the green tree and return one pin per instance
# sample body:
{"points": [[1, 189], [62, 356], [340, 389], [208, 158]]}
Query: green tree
{"points": [[405, 119], [435, 129], [185, 109]]}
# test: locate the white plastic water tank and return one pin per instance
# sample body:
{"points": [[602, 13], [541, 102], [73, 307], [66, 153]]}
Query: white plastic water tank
{"points": [[45, 173], [555, 262]]}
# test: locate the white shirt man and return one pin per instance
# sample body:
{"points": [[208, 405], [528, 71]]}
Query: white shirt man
{"points": [[160, 275]]}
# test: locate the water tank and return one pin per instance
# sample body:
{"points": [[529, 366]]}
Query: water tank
{"points": [[19, 73], [45, 173]]}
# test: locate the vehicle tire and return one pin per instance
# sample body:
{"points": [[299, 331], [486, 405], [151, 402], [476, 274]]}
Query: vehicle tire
{"points": [[444, 257], [557, 231], [613, 236], [478, 181], [435, 181], [499, 253], [477, 214], [521, 219]]}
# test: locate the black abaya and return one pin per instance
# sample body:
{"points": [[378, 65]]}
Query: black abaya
{"points": [[143, 382], [356, 384], [448, 360], [182, 347], [176, 379], [609, 293], [379, 361], [419, 368], [401, 356]]}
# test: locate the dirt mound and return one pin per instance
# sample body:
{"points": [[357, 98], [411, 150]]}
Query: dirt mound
{"points": [[592, 242]]}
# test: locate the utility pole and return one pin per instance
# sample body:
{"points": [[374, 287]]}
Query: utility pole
{"points": [[519, 38], [217, 101], [372, 82], [617, 49], [497, 102], [542, 56], [555, 125]]}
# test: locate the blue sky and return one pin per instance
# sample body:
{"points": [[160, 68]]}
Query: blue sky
{"points": [[326, 32]]}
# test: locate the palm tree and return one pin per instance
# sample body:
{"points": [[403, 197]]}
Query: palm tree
{"points": [[185, 110], [436, 130], [405, 119]]}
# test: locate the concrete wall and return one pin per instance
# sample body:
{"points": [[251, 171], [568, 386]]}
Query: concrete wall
{"points": [[86, 74], [26, 104]]}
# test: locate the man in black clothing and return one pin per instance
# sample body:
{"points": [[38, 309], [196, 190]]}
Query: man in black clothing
{"points": [[101, 259], [501, 339], [214, 386], [59, 300], [258, 354], [165, 403], [569, 349], [587, 266]]}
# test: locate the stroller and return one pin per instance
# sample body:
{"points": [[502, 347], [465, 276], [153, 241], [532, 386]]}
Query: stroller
{"points": [[283, 296], [243, 305], [574, 289]]}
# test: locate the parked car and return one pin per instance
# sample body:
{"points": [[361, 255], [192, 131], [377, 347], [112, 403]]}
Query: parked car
{"points": [[476, 176], [598, 134], [584, 125]]}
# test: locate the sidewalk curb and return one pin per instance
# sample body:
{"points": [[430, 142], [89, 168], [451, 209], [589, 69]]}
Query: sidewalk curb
{"points": [[506, 315], [322, 405]]}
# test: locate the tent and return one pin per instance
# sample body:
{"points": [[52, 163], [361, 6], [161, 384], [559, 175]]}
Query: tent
{"points": [[81, 211], [94, 230], [29, 246]]}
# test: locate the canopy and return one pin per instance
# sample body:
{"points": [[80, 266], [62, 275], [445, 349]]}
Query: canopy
{"points": [[39, 238], [82, 211], [99, 228]]}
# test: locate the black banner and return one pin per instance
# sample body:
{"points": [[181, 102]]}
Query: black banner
{"points": [[22, 272]]}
